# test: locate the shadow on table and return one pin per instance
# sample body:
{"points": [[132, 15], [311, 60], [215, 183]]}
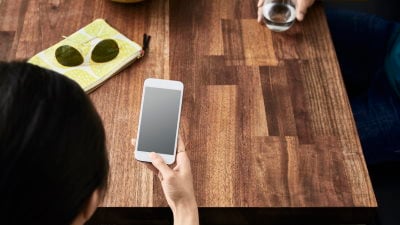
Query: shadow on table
{"points": [[386, 182], [234, 216]]}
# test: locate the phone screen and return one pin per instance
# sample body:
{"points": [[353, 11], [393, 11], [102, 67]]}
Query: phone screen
{"points": [[159, 120]]}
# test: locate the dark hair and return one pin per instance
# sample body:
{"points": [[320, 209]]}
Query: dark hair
{"points": [[52, 146]]}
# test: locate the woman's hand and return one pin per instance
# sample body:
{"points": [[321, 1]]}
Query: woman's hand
{"points": [[301, 8], [177, 184]]}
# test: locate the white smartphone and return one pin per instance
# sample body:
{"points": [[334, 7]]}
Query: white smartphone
{"points": [[159, 119]]}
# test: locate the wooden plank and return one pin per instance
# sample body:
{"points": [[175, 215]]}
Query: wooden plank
{"points": [[247, 43], [257, 44], [6, 39], [216, 170], [233, 43], [277, 101], [290, 44], [253, 123], [297, 188], [13, 13]]}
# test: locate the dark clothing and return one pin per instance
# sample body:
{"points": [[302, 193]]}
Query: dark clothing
{"points": [[364, 44]]}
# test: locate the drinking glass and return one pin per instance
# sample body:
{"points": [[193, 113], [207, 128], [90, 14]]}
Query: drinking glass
{"points": [[279, 15]]}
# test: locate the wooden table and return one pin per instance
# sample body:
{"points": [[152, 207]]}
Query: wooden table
{"points": [[266, 118]]}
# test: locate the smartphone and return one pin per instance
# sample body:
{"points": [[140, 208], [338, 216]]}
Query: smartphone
{"points": [[159, 119]]}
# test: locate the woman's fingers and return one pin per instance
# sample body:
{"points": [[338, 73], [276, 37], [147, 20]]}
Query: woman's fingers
{"points": [[301, 9], [182, 162], [159, 163], [159, 167], [181, 145], [133, 141], [151, 167], [259, 10], [259, 15]]}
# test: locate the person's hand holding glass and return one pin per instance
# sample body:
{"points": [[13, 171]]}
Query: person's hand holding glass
{"points": [[279, 15]]}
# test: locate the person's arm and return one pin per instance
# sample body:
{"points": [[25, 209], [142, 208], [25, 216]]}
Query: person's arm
{"points": [[301, 8], [177, 184], [186, 215]]}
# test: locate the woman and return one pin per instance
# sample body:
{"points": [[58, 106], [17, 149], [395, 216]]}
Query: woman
{"points": [[53, 159]]}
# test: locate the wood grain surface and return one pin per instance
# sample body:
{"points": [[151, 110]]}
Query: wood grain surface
{"points": [[266, 118]]}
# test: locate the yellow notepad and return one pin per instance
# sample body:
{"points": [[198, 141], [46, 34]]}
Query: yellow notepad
{"points": [[89, 75]]}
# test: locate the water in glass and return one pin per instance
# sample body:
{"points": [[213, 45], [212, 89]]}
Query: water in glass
{"points": [[279, 16]]}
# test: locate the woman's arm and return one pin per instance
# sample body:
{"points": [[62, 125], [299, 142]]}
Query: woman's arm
{"points": [[177, 184]]}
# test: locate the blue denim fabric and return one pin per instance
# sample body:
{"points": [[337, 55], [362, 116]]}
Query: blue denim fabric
{"points": [[362, 42]]}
